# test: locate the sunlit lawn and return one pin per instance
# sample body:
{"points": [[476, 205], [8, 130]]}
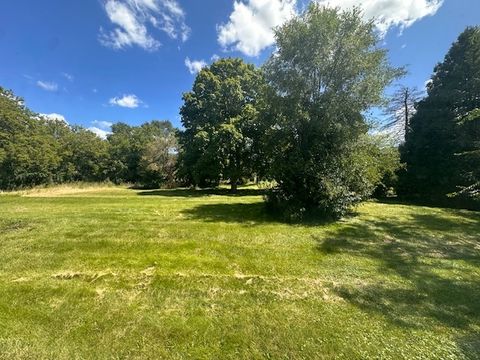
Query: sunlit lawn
{"points": [[117, 273]]}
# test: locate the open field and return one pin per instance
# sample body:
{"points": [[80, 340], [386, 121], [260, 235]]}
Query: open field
{"points": [[176, 274]]}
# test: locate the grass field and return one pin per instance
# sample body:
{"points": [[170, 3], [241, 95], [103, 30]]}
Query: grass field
{"points": [[113, 273]]}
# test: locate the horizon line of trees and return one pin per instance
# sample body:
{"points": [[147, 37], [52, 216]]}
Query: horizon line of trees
{"points": [[38, 151], [298, 121]]}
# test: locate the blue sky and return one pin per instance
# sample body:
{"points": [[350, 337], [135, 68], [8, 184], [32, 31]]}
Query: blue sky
{"points": [[97, 62]]}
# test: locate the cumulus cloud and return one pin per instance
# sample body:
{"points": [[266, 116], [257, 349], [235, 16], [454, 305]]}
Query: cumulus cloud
{"points": [[54, 117], [128, 100], [105, 125], [250, 26], [390, 13], [133, 18], [99, 132], [101, 128], [47, 85], [194, 66]]}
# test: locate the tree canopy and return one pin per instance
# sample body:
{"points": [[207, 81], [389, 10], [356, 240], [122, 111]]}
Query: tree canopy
{"points": [[443, 139], [220, 117], [299, 122], [326, 72], [36, 151], [28, 154], [130, 144]]}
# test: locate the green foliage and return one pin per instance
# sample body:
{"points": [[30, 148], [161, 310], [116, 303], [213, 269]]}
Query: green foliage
{"points": [[382, 159], [158, 164], [327, 71], [37, 151], [84, 156], [220, 117], [441, 146], [28, 156], [469, 136], [133, 157]]}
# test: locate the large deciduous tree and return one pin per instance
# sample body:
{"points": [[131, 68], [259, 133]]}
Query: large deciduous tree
{"points": [[327, 71], [443, 138], [220, 117]]}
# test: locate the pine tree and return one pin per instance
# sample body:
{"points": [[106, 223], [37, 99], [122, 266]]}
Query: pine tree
{"points": [[435, 167]]}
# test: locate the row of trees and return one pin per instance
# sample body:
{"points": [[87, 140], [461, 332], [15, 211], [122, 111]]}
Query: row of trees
{"points": [[35, 150], [298, 121]]}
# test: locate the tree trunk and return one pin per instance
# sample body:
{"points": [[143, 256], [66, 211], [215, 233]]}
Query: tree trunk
{"points": [[407, 114], [233, 184]]}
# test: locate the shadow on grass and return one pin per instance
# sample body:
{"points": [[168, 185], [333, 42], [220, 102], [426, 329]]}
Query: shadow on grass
{"points": [[192, 193], [251, 214], [436, 256], [446, 203], [254, 213], [470, 345]]}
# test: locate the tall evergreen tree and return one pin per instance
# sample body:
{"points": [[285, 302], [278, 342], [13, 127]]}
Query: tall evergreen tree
{"points": [[435, 167]]}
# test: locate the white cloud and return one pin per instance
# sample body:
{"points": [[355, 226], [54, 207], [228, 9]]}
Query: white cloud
{"points": [[54, 116], [68, 76], [427, 83], [131, 19], [194, 66], [129, 101], [390, 13], [105, 125], [215, 57], [250, 26], [99, 132], [47, 85], [101, 128]]}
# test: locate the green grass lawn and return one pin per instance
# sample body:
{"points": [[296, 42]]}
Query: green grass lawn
{"points": [[112, 273]]}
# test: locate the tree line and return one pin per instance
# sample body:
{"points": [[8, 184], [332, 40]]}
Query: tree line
{"points": [[300, 121], [36, 151]]}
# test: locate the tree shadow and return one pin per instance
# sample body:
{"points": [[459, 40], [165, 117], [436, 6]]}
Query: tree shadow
{"points": [[251, 213], [445, 203], [245, 213], [470, 345], [192, 193], [436, 256]]}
